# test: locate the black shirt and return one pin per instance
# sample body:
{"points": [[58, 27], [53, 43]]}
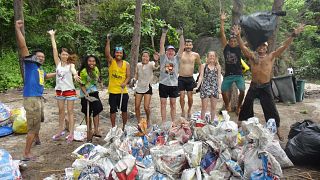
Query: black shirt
{"points": [[232, 57]]}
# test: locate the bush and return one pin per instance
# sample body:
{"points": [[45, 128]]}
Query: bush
{"points": [[10, 76]]}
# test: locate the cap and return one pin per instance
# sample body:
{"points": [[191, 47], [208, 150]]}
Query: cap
{"points": [[171, 47]]}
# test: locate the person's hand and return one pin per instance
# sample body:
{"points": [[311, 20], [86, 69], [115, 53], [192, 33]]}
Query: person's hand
{"points": [[194, 91], [165, 29], [223, 16], [298, 29], [19, 24], [123, 85], [132, 82], [109, 36], [179, 31], [77, 78], [236, 30], [156, 56], [52, 32]]}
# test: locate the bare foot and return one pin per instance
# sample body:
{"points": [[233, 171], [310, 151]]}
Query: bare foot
{"points": [[281, 138], [183, 114]]}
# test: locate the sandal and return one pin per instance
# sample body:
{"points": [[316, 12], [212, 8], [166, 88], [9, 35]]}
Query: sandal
{"points": [[58, 136], [69, 138]]}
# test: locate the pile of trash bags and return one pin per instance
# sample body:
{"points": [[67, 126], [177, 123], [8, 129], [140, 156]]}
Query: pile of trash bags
{"points": [[184, 151], [12, 120]]}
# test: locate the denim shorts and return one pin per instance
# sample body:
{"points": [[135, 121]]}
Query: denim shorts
{"points": [[69, 95]]}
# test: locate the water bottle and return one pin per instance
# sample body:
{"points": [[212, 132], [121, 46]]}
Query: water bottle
{"points": [[271, 126]]}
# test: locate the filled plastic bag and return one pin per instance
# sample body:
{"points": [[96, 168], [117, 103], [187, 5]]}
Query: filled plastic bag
{"points": [[194, 155], [4, 112], [19, 121], [84, 150], [304, 148], [181, 132], [265, 172], [297, 127], [169, 160], [258, 27], [275, 149], [9, 169], [228, 131], [252, 162]]}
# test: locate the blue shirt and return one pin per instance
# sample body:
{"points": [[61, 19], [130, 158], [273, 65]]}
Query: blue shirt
{"points": [[33, 79]]}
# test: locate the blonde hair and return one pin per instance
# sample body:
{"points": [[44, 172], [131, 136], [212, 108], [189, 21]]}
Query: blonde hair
{"points": [[216, 59]]}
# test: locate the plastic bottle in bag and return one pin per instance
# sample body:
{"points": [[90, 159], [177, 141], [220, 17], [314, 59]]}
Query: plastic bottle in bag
{"points": [[271, 126]]}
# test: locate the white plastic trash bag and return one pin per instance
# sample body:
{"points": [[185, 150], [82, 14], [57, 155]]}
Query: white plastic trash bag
{"points": [[228, 131], [169, 160], [9, 169], [275, 149]]}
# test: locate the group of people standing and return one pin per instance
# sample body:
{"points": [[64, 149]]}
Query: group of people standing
{"points": [[176, 80]]}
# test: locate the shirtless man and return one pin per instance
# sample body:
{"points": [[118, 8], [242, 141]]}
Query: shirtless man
{"points": [[261, 67], [185, 80]]}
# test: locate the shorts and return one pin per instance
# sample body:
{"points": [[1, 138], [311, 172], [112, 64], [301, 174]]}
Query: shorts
{"points": [[114, 102], [148, 92], [33, 107], [69, 95], [186, 83], [95, 107], [227, 83], [168, 91]]}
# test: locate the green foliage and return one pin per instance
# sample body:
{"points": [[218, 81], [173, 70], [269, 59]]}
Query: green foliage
{"points": [[9, 71]]}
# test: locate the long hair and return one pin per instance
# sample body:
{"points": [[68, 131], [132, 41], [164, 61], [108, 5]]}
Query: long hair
{"points": [[85, 65], [216, 64]]}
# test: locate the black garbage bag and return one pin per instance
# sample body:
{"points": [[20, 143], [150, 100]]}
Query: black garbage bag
{"points": [[259, 26], [297, 127], [304, 148]]}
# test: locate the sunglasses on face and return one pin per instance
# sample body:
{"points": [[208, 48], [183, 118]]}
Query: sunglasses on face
{"points": [[119, 49]]}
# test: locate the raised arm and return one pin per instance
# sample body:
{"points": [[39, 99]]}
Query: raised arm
{"points": [[181, 42], [223, 17], [245, 50], [54, 47], [163, 40], [20, 39], [286, 43], [107, 50]]}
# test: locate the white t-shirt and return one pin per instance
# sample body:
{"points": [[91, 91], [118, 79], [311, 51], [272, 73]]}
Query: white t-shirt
{"points": [[64, 79]]}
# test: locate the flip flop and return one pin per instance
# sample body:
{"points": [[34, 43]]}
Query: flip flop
{"points": [[25, 159]]}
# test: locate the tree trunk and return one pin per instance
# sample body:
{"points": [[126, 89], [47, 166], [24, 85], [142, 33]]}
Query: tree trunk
{"points": [[136, 38], [236, 13], [18, 14], [277, 6]]}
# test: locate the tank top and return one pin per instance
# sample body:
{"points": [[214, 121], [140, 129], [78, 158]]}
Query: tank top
{"points": [[232, 58], [116, 77], [145, 76], [64, 81]]}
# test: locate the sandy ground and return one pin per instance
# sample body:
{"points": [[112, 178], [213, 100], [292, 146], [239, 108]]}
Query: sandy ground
{"points": [[54, 156]]}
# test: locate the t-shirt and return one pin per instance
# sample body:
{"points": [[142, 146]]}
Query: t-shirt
{"points": [[169, 70], [232, 57], [33, 79], [64, 81], [145, 76], [117, 75], [90, 82]]}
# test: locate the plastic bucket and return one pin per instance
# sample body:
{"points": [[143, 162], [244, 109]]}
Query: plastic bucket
{"points": [[285, 88], [300, 90]]}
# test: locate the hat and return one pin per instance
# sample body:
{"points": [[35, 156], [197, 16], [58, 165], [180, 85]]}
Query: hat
{"points": [[171, 47]]}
